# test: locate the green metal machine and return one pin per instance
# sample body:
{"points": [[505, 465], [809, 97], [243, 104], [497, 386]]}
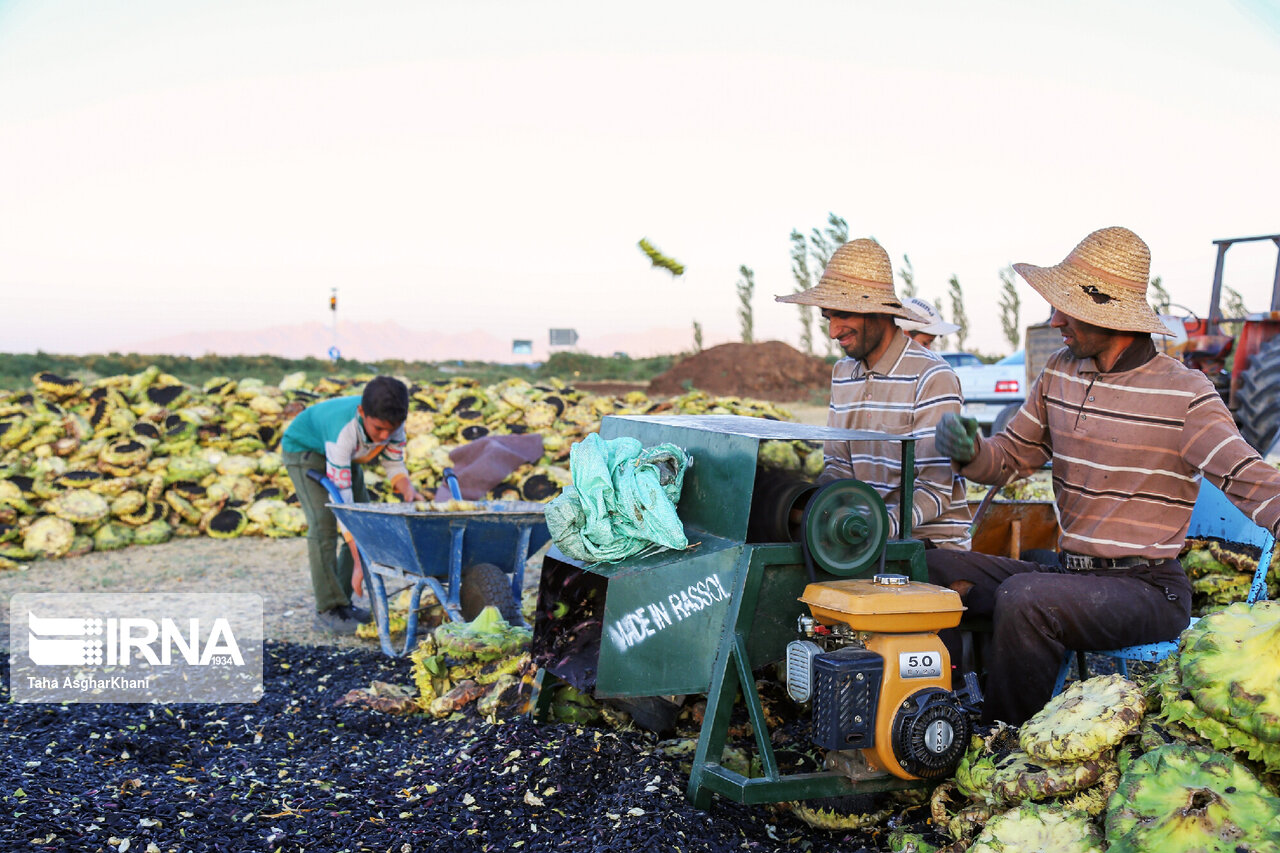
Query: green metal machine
{"points": [[703, 620]]}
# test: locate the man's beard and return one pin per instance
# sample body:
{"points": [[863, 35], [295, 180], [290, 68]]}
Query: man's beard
{"points": [[867, 342]]}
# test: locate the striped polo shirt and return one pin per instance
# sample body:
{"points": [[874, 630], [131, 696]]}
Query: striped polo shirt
{"points": [[1128, 448], [906, 391]]}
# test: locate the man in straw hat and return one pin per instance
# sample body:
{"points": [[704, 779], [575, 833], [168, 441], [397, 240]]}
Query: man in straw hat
{"points": [[887, 383], [924, 332], [1130, 432]]}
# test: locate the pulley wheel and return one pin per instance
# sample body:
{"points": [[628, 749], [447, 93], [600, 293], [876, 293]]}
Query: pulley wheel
{"points": [[845, 527]]}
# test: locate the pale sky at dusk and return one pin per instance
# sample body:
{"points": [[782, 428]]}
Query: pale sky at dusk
{"points": [[169, 167]]}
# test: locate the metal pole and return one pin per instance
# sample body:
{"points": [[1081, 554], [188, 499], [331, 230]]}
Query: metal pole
{"points": [[1211, 322], [1275, 287], [333, 315]]}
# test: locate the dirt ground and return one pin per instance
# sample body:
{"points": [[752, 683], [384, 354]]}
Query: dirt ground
{"points": [[808, 413], [276, 569]]}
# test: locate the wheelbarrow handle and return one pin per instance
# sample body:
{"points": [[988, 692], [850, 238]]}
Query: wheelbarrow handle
{"points": [[982, 507], [451, 480], [334, 494], [357, 582]]}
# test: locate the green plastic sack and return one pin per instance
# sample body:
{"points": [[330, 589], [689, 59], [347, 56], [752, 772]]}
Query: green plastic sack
{"points": [[622, 501]]}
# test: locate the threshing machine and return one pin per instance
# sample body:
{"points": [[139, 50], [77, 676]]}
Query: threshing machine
{"points": [[777, 571]]}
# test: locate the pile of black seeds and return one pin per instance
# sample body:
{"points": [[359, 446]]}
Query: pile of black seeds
{"points": [[295, 772]]}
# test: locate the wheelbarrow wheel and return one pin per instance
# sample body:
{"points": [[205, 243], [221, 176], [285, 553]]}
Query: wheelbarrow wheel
{"points": [[486, 585]]}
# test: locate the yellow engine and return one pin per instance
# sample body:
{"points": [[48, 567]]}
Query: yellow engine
{"points": [[878, 678]]}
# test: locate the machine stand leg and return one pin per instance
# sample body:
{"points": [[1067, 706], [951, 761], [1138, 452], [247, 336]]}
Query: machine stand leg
{"points": [[715, 728]]}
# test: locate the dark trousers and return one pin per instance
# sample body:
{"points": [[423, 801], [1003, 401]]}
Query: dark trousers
{"points": [[332, 566], [1040, 611]]}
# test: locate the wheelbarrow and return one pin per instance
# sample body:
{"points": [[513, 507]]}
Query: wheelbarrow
{"points": [[456, 554]]}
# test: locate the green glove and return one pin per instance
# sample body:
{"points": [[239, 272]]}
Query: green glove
{"points": [[955, 438]]}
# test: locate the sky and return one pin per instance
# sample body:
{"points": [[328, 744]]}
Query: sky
{"points": [[491, 165]]}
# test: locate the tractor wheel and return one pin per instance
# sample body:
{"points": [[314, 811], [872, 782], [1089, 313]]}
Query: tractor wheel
{"points": [[1259, 393], [485, 585]]}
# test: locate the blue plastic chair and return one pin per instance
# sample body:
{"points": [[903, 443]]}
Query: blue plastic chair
{"points": [[1213, 515]]}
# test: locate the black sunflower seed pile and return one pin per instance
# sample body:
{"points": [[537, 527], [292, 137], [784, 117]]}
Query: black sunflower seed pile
{"points": [[295, 772]]}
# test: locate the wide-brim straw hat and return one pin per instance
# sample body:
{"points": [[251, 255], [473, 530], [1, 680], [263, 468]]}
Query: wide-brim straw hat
{"points": [[936, 325], [1103, 281], [857, 279]]}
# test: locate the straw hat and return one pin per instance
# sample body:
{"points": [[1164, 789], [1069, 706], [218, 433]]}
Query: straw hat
{"points": [[935, 326], [1103, 281], [858, 279]]}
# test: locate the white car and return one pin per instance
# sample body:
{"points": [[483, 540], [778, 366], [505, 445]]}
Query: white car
{"points": [[990, 389]]}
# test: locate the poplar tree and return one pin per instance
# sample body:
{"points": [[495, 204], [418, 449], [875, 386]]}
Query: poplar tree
{"points": [[908, 276], [746, 288], [823, 244], [804, 281], [1158, 296], [1233, 307], [1010, 308], [957, 311]]}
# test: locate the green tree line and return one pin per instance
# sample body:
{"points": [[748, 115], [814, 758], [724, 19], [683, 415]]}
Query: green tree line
{"points": [[16, 369]]}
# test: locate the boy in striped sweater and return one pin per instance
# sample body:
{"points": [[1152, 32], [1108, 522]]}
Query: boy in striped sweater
{"points": [[1130, 432], [336, 437]]}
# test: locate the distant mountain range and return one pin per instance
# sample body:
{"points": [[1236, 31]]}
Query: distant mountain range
{"points": [[389, 340]]}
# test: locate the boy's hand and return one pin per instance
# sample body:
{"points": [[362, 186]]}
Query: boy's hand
{"points": [[404, 487], [955, 437]]}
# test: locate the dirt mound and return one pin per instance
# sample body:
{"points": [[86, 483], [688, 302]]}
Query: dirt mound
{"points": [[770, 370]]}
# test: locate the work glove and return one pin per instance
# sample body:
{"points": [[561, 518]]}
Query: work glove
{"points": [[955, 438]]}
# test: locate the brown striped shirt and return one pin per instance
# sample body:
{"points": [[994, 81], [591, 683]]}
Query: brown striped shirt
{"points": [[906, 391], [1128, 448]]}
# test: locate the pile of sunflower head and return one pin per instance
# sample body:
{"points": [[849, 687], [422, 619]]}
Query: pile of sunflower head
{"points": [[803, 458], [1222, 690], [1221, 572], [136, 459], [478, 662], [1191, 761], [1036, 487]]}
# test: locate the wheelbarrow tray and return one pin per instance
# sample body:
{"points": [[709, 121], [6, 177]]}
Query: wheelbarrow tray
{"points": [[1007, 528], [418, 542], [425, 545]]}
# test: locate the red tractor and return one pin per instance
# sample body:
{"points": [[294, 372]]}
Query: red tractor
{"points": [[1245, 368]]}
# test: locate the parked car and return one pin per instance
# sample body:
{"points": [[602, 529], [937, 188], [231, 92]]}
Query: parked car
{"points": [[990, 389]]}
